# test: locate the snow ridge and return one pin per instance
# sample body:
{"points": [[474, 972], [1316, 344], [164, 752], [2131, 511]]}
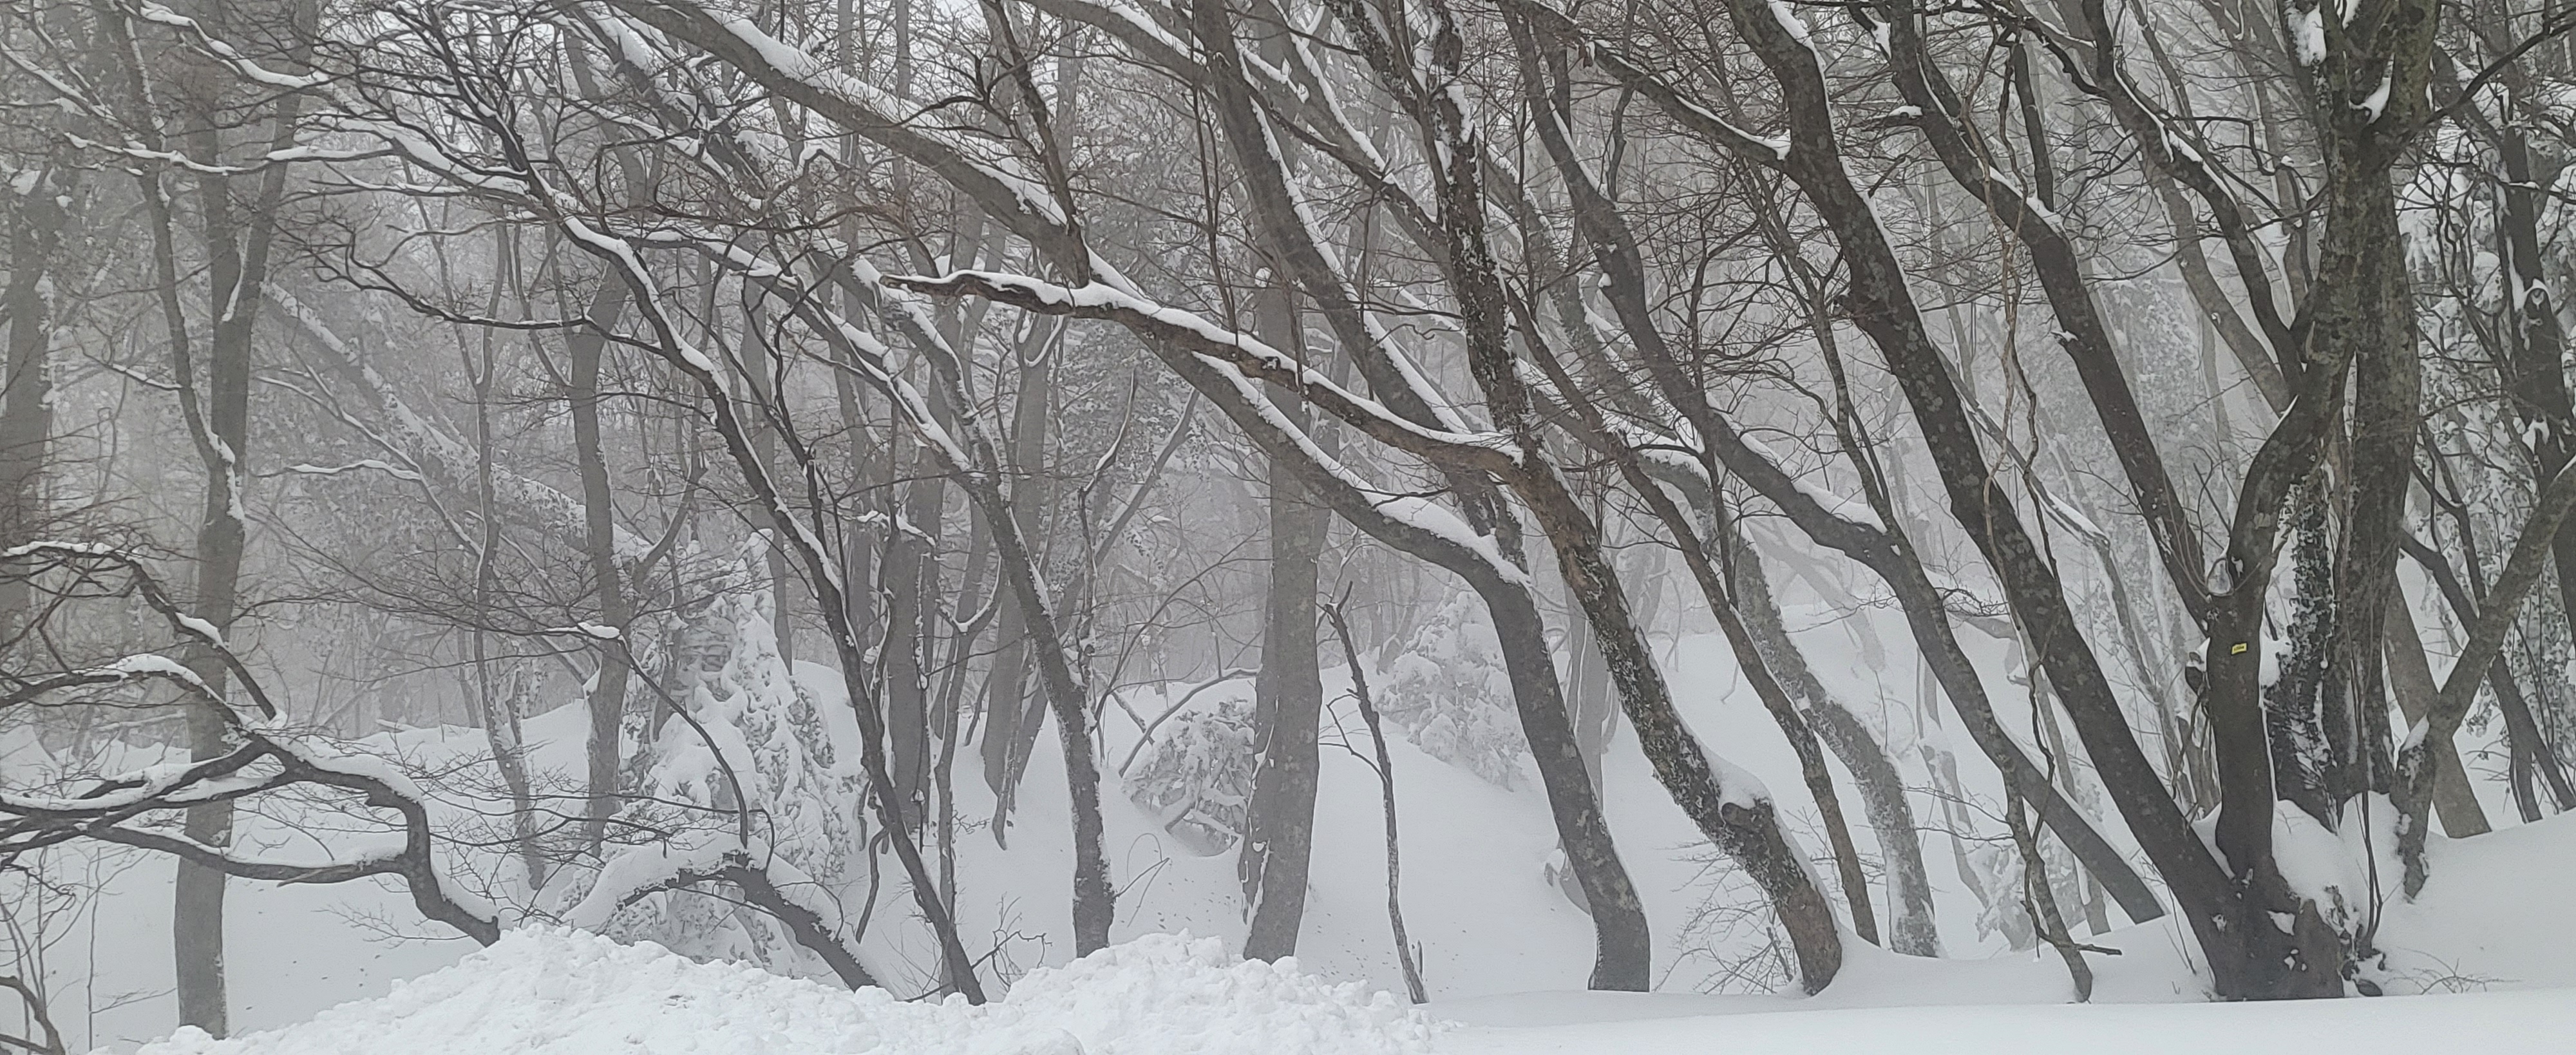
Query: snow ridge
{"points": [[550, 991]]}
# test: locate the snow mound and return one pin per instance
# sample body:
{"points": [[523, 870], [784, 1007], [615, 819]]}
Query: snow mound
{"points": [[563, 992]]}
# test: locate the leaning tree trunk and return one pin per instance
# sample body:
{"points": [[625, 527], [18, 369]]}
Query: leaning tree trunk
{"points": [[2532, 368], [2410, 677], [1621, 960], [499, 705], [1882, 787], [1741, 820], [1886, 552]]}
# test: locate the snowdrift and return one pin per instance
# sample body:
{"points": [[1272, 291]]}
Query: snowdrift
{"points": [[561, 992]]}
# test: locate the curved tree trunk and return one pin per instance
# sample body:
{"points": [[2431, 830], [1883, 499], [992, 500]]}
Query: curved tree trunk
{"points": [[1882, 787], [2410, 677], [1622, 949]]}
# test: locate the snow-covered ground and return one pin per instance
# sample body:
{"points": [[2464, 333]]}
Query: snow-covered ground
{"points": [[545, 991], [1506, 954], [568, 993], [2534, 1021]]}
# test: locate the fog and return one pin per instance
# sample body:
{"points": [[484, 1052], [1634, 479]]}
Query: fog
{"points": [[1480, 496]]}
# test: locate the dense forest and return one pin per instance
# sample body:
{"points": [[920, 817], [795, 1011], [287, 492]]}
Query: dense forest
{"points": [[816, 482]]}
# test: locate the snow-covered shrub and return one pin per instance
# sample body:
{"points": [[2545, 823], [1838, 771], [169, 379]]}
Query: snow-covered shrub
{"points": [[1449, 694], [1198, 775], [751, 744]]}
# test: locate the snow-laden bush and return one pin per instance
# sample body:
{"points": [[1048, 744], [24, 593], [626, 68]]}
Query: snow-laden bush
{"points": [[751, 745], [1198, 775], [1449, 694]]}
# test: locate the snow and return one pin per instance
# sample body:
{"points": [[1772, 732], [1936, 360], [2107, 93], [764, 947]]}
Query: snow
{"points": [[2377, 102], [148, 782], [2491, 918], [2489, 1021], [2308, 29], [1120, 303], [635, 871], [83, 549], [795, 64], [1847, 508], [364, 767], [377, 464], [157, 13], [151, 665], [1790, 21], [544, 990]]}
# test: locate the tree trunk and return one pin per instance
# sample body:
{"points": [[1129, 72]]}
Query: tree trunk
{"points": [[1386, 791], [26, 407], [1288, 695], [1887, 553], [1587, 689], [2411, 678], [237, 248], [499, 702], [607, 704], [1622, 949], [1742, 822], [2534, 375], [1882, 787], [1016, 717], [910, 577]]}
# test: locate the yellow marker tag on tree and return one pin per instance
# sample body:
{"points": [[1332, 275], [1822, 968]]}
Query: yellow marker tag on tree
{"points": [[2239, 650]]}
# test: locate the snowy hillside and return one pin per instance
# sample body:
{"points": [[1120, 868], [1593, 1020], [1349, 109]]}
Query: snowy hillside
{"points": [[554, 992], [2472, 930]]}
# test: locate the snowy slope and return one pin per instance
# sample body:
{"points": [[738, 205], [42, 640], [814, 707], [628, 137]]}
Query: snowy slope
{"points": [[546, 991], [1474, 892]]}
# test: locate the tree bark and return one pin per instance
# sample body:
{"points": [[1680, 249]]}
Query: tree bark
{"points": [[1386, 791], [1741, 821], [2247, 952], [2413, 790], [1018, 717]]}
